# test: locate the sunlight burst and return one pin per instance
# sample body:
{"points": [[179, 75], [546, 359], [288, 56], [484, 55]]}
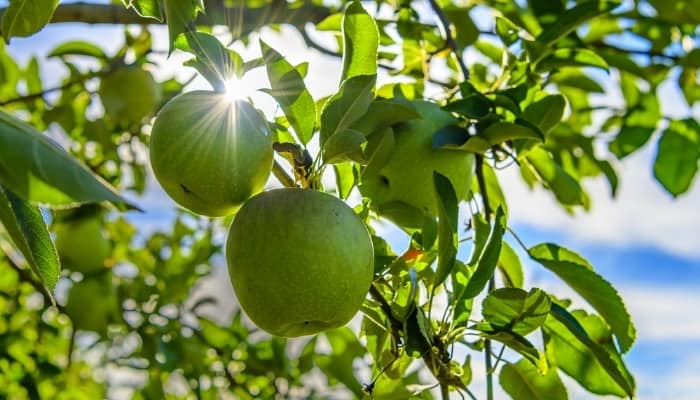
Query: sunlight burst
{"points": [[238, 89]]}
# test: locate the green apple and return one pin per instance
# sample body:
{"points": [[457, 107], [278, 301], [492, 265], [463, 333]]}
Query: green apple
{"points": [[210, 154], [92, 304], [402, 189], [129, 95], [82, 244], [300, 260]]}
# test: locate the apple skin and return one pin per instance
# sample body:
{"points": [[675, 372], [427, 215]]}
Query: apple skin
{"points": [[92, 304], [403, 189], [129, 95], [300, 261], [82, 245], [210, 154]]}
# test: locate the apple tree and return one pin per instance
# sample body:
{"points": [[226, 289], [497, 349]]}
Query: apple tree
{"points": [[432, 101]]}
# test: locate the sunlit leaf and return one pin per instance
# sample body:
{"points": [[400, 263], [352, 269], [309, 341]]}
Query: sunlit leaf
{"points": [[361, 41], [568, 266], [27, 229], [25, 17], [288, 88], [523, 380]]}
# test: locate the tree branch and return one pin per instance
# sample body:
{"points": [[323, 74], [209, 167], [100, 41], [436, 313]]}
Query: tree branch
{"points": [[240, 19], [449, 39], [38, 95], [492, 284]]}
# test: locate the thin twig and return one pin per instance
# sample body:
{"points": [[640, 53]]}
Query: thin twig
{"points": [[487, 210], [41, 94], [449, 39]]}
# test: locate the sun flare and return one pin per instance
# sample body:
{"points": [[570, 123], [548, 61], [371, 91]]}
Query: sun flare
{"points": [[238, 89]]}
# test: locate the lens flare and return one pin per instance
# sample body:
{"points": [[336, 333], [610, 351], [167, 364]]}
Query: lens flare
{"points": [[238, 89]]}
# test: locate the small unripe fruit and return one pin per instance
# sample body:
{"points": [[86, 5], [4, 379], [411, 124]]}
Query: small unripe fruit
{"points": [[407, 177], [129, 95], [82, 244]]}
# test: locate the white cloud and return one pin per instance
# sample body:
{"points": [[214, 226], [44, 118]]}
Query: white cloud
{"points": [[642, 215]]}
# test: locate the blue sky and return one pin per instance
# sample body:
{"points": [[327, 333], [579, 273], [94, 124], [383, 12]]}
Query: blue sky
{"points": [[644, 242]]}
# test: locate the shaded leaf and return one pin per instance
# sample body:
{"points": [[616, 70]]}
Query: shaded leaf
{"points": [[516, 310], [38, 170], [342, 145], [447, 227], [488, 259], [346, 106], [384, 113], [677, 156], [547, 112], [25, 225]]}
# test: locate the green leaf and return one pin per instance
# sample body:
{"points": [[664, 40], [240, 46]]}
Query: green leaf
{"points": [[345, 178], [361, 41], [217, 336], [447, 227], [568, 21], [378, 151], [677, 156], [344, 348], [579, 275], [566, 189], [78, 48], [342, 145], [288, 88], [523, 381], [500, 132], [493, 188], [461, 306], [481, 230], [38, 170], [466, 32], [383, 113], [145, 8], [629, 139], [215, 62], [547, 112], [574, 78], [476, 106], [25, 225], [506, 30], [573, 345], [347, 106], [571, 58], [521, 345], [516, 310], [510, 267], [26, 17], [179, 14], [488, 259]]}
